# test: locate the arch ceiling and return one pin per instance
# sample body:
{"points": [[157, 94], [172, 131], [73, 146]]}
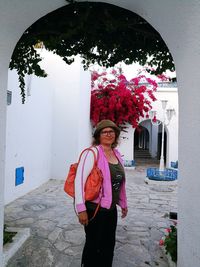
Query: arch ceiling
{"points": [[101, 33]]}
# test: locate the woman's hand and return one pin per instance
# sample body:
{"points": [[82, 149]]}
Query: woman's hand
{"points": [[83, 218], [124, 212]]}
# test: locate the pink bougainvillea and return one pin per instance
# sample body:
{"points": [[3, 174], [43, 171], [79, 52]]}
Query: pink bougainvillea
{"points": [[114, 97]]}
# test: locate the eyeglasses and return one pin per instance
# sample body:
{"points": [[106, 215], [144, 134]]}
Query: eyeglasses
{"points": [[104, 133]]}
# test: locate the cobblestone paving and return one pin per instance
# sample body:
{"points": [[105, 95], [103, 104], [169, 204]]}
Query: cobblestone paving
{"points": [[57, 238]]}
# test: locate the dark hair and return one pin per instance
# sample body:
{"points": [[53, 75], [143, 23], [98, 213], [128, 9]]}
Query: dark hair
{"points": [[96, 138]]}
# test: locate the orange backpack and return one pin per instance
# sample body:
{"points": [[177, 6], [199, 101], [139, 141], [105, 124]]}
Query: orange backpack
{"points": [[93, 183]]}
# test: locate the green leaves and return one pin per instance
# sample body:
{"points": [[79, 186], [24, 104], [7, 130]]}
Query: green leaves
{"points": [[99, 32], [170, 243], [7, 236]]}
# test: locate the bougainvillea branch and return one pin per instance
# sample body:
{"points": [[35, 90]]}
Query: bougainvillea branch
{"points": [[114, 97]]}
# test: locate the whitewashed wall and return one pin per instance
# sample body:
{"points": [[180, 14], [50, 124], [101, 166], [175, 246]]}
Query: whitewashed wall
{"points": [[170, 94], [178, 23], [71, 125], [126, 143], [46, 134], [28, 133]]}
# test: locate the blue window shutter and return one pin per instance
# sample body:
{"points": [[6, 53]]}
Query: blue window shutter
{"points": [[19, 176]]}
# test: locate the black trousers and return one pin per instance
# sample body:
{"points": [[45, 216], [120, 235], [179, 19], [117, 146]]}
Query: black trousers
{"points": [[100, 239]]}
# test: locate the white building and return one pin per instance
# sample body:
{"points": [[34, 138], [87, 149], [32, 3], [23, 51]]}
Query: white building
{"points": [[178, 23], [46, 134], [149, 139]]}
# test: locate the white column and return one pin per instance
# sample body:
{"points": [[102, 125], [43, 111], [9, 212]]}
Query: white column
{"points": [[3, 93], [187, 61], [161, 166], [172, 142], [150, 139], [154, 140], [189, 160]]}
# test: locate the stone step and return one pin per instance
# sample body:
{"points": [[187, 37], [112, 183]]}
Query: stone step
{"points": [[143, 156], [149, 161], [142, 153]]}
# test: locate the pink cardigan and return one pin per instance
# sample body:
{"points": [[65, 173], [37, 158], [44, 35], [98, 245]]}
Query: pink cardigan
{"points": [[106, 199]]}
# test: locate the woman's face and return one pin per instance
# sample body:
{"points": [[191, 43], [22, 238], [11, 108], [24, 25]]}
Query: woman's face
{"points": [[107, 136]]}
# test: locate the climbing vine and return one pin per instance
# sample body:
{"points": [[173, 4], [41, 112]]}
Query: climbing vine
{"points": [[99, 32]]}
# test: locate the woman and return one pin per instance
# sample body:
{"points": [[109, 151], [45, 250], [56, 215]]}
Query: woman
{"points": [[100, 231]]}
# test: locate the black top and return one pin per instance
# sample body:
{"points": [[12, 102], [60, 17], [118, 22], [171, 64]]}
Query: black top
{"points": [[117, 175]]}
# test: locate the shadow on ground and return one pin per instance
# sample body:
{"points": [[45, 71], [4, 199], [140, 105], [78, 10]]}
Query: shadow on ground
{"points": [[57, 238]]}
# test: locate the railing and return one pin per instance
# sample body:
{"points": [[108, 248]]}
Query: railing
{"points": [[166, 175]]}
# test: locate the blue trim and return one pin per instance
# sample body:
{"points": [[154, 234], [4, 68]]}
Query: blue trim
{"points": [[174, 164], [166, 175], [19, 176]]}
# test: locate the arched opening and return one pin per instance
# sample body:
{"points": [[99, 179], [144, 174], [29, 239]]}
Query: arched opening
{"points": [[169, 20], [141, 138], [148, 142], [141, 142], [117, 35], [41, 27]]}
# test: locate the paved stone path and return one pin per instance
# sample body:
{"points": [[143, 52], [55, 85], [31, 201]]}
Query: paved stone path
{"points": [[57, 238]]}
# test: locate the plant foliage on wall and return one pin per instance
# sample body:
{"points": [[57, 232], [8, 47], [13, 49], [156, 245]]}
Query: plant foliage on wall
{"points": [[99, 32]]}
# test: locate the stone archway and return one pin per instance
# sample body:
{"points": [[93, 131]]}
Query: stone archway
{"points": [[147, 141], [54, 12], [171, 20]]}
